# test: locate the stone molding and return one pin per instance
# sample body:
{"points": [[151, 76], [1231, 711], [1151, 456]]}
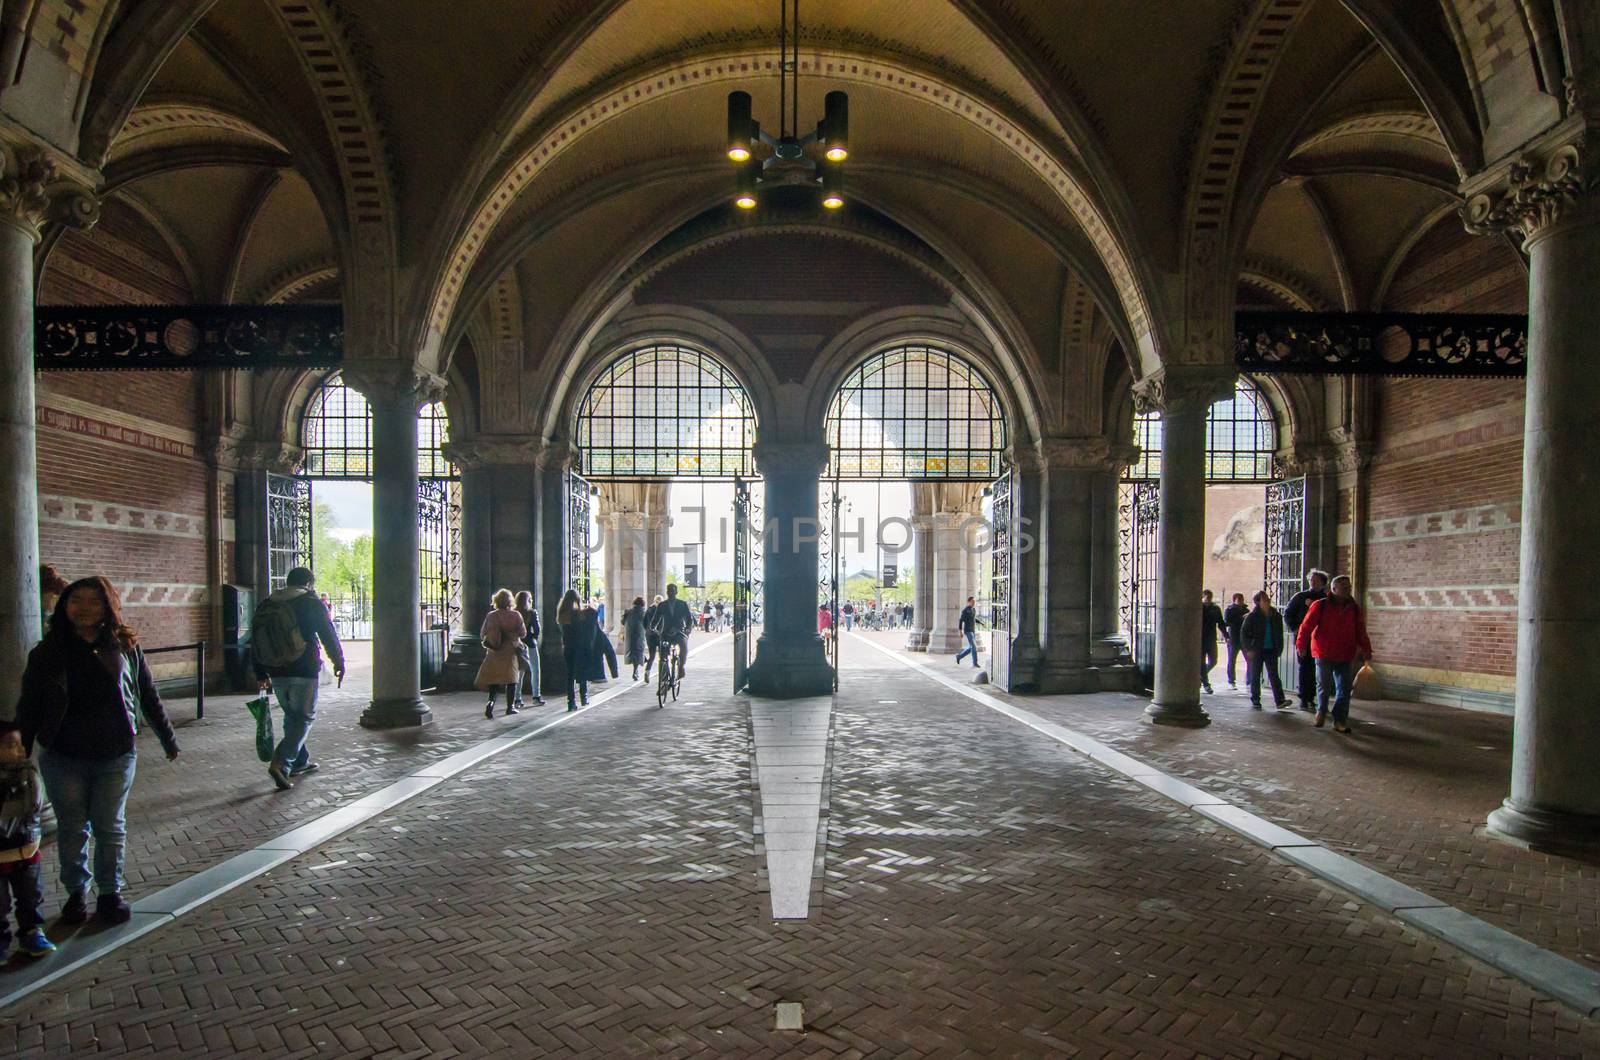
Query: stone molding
{"points": [[1186, 388], [491, 450], [277, 458], [921, 524], [1551, 183], [395, 384], [1093, 453], [556, 457], [37, 188], [1341, 452], [791, 458]]}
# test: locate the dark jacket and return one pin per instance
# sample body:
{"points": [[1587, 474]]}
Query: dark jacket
{"points": [[578, 636], [603, 657], [1299, 604], [1253, 631], [651, 637], [315, 625], [968, 622], [1210, 623], [530, 618], [633, 635], [1234, 617], [672, 618], [65, 680]]}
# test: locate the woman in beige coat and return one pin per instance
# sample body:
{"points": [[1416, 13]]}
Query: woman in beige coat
{"points": [[502, 635]]}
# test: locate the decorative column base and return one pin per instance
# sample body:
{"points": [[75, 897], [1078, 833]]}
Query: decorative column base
{"points": [[396, 714], [1178, 715], [790, 670], [917, 640], [1075, 680], [1547, 831], [460, 671], [944, 641]]}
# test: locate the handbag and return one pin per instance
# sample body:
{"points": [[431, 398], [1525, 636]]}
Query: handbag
{"points": [[260, 709]]}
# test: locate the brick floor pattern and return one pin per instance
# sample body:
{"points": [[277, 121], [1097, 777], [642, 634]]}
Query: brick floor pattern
{"points": [[594, 892]]}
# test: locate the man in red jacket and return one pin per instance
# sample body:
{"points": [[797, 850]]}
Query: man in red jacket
{"points": [[1335, 634]]}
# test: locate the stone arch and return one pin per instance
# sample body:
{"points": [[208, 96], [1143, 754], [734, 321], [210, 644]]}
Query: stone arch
{"points": [[293, 282], [900, 76], [157, 116]]}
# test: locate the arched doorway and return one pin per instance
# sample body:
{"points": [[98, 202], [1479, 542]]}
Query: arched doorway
{"points": [[655, 416], [320, 516], [924, 419]]}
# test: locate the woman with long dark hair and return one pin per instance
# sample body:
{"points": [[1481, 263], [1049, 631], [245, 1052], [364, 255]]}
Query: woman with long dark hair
{"points": [[633, 636], [84, 689], [578, 626]]}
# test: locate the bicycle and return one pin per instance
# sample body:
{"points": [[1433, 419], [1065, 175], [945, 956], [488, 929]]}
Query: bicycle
{"points": [[669, 681]]}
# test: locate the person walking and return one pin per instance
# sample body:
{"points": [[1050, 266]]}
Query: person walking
{"points": [[1260, 637], [652, 640], [286, 632], [1294, 613], [529, 656], [633, 635], [968, 624], [849, 612], [825, 621], [21, 882], [502, 633], [83, 689], [1334, 634], [1211, 624], [1233, 617], [604, 656], [578, 626]]}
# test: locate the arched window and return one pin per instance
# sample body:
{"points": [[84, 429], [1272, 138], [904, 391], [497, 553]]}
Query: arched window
{"points": [[1241, 437], [336, 435], [915, 412], [666, 411]]}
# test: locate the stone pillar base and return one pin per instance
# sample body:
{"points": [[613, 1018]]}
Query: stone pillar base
{"points": [[460, 670], [1178, 715], [790, 671], [396, 714], [1072, 680], [946, 641], [1547, 831], [917, 640]]}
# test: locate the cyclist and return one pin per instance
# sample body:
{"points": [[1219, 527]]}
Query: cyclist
{"points": [[673, 622]]}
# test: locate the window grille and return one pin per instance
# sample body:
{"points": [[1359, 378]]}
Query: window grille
{"points": [[336, 435], [1241, 437]]}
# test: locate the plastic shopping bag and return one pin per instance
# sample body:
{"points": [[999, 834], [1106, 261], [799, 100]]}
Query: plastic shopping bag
{"points": [[260, 708], [1367, 685]]}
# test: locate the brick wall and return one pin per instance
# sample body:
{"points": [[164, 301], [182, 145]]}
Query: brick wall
{"points": [[122, 489], [1445, 486]]}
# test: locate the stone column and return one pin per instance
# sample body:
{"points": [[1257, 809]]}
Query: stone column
{"points": [[1183, 395], [790, 661], [951, 582], [655, 557], [630, 566], [395, 391], [552, 465], [1552, 195], [33, 190], [922, 602]]}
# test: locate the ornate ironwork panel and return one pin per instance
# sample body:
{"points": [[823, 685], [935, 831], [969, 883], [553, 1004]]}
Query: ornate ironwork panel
{"points": [[741, 584], [1144, 583], [288, 526], [830, 555], [1284, 560], [1425, 344], [453, 556], [433, 552], [916, 412], [1125, 540], [579, 493], [126, 337], [1000, 553], [666, 411]]}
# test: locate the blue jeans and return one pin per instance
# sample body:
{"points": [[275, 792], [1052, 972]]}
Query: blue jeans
{"points": [[972, 647], [89, 793], [1334, 679], [530, 669], [297, 697]]}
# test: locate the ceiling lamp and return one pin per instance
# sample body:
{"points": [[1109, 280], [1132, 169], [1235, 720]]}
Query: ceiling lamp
{"points": [[789, 163]]}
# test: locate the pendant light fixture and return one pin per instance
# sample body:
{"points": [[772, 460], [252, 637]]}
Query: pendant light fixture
{"points": [[789, 163]]}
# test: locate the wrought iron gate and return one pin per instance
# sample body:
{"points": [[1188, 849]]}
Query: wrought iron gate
{"points": [[1284, 559], [288, 526], [741, 584], [433, 551], [1001, 511], [830, 553], [578, 493], [1144, 579]]}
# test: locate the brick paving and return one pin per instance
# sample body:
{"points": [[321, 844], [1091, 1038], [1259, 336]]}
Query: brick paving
{"points": [[595, 892], [1406, 794]]}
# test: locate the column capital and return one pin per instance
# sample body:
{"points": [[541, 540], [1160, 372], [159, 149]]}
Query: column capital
{"points": [[393, 383], [558, 456], [791, 458], [1551, 183], [1184, 388], [923, 523], [1341, 451], [1092, 453], [39, 185], [655, 520], [277, 458], [494, 450]]}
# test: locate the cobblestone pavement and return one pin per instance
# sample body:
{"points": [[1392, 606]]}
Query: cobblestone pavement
{"points": [[595, 892], [217, 800], [1406, 794]]}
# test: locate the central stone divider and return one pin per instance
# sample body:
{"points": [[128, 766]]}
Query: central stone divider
{"points": [[790, 742]]}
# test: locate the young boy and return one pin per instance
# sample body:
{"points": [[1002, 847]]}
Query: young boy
{"points": [[21, 803]]}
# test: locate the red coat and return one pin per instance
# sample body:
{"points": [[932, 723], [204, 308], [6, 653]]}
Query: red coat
{"points": [[1334, 631]]}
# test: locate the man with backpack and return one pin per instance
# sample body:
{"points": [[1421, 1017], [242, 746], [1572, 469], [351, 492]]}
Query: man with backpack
{"points": [[283, 641]]}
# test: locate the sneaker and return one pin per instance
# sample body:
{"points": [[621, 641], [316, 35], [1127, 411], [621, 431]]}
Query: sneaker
{"points": [[1307, 706], [1284, 705], [34, 944], [279, 775], [1256, 703], [300, 771], [538, 701], [1321, 719], [113, 909], [1340, 726], [1208, 690], [76, 908]]}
